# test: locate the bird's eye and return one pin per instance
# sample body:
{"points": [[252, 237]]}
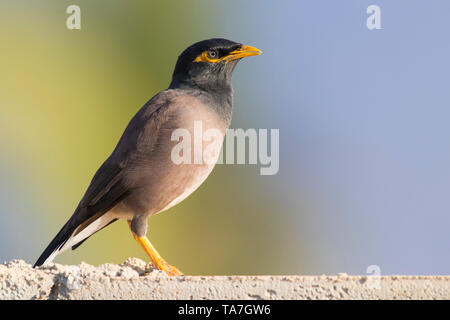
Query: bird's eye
{"points": [[213, 54]]}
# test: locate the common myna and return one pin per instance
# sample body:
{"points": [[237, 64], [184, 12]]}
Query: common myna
{"points": [[140, 178]]}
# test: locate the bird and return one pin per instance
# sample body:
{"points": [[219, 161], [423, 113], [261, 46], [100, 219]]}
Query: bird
{"points": [[139, 178]]}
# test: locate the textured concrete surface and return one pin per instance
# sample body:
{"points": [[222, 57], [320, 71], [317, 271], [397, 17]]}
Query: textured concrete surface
{"points": [[135, 280]]}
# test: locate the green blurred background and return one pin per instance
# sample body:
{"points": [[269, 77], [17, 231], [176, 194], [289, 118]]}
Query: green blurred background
{"points": [[363, 118], [66, 97]]}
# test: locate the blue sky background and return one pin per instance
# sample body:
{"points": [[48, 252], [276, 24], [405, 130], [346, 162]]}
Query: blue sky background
{"points": [[364, 127]]}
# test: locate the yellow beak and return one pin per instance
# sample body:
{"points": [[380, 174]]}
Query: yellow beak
{"points": [[242, 52]]}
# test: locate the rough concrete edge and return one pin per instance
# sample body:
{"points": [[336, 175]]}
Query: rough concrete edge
{"points": [[134, 279]]}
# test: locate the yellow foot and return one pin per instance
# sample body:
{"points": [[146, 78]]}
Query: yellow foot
{"points": [[169, 270], [155, 257]]}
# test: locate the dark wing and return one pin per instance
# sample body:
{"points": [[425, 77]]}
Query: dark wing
{"points": [[109, 186]]}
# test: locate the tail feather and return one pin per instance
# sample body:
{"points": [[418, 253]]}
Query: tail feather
{"points": [[81, 242], [56, 244], [73, 234]]}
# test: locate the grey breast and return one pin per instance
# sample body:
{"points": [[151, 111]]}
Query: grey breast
{"points": [[155, 181]]}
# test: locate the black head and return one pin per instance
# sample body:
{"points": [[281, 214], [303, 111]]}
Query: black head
{"points": [[208, 64]]}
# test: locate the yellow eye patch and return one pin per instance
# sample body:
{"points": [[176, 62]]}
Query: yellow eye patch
{"points": [[242, 52], [204, 58]]}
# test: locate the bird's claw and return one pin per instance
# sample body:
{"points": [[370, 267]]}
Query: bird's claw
{"points": [[170, 270], [166, 268]]}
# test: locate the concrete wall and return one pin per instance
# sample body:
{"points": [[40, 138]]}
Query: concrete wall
{"points": [[18, 280]]}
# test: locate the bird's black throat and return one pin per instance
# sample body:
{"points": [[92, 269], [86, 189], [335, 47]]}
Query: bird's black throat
{"points": [[211, 84], [202, 70]]}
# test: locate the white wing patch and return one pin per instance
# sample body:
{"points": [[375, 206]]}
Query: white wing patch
{"points": [[86, 232]]}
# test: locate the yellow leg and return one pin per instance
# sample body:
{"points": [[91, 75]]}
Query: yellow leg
{"points": [[155, 257]]}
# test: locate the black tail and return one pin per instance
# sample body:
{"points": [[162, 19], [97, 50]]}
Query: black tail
{"points": [[63, 236], [84, 213], [58, 241]]}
